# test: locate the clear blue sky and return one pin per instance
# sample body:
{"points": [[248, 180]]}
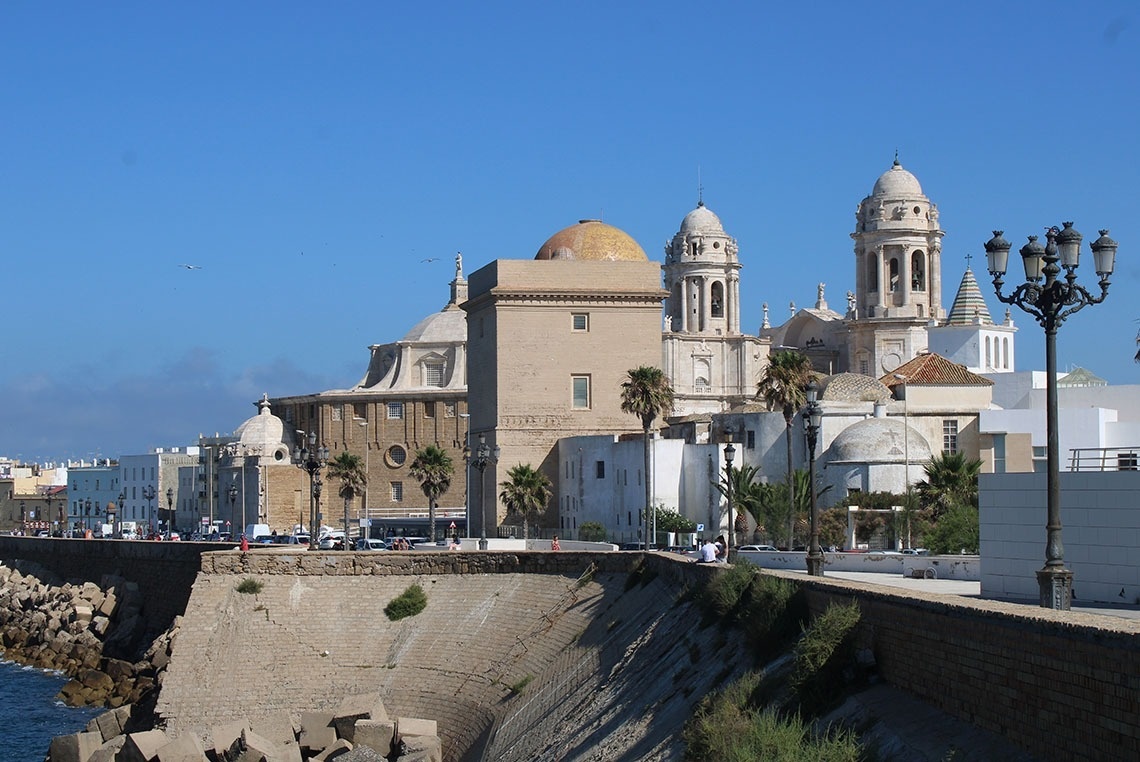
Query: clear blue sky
{"points": [[308, 156]]}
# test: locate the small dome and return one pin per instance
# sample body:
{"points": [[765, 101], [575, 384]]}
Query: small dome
{"points": [[591, 240], [896, 182], [702, 220], [879, 440], [263, 434], [449, 325], [854, 387]]}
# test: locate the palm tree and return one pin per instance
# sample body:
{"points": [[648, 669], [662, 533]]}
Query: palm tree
{"points": [[348, 469], [783, 387], [433, 469], [745, 494], [525, 493], [647, 393], [951, 479]]}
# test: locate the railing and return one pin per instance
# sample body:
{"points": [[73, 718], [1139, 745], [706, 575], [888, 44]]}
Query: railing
{"points": [[1104, 459]]}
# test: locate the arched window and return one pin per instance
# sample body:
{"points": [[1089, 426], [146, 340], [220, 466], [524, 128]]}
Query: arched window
{"points": [[1005, 353], [918, 271], [717, 299], [872, 272], [894, 274], [988, 364]]}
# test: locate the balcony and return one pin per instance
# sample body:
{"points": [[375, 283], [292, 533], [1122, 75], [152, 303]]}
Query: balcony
{"points": [[1104, 459]]}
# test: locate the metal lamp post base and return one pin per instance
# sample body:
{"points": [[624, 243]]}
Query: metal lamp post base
{"points": [[815, 565], [482, 543], [1056, 586]]}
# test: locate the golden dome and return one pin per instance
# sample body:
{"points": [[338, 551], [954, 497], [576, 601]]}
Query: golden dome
{"points": [[593, 241]]}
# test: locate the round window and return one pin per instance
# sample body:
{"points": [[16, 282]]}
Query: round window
{"points": [[917, 210], [716, 244], [396, 456]]}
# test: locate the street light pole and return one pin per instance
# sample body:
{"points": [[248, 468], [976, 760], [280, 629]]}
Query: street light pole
{"points": [[484, 456], [148, 494], [813, 420], [906, 453], [116, 517], [311, 459], [1050, 303], [729, 455], [169, 509]]}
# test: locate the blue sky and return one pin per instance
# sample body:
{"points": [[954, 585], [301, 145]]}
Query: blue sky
{"points": [[308, 157]]}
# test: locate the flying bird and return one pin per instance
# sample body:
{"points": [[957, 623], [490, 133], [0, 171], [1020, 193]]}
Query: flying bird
{"points": [[191, 267], [430, 259]]}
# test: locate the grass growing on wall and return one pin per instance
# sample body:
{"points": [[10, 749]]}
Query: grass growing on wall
{"points": [[408, 603], [249, 586]]}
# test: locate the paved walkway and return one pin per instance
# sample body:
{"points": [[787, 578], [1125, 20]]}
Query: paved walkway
{"points": [[967, 589]]}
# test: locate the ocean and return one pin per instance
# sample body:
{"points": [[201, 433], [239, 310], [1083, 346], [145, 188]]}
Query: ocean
{"points": [[30, 715]]}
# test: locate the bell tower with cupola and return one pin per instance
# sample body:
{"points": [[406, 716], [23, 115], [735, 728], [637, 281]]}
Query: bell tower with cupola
{"points": [[898, 274], [706, 357]]}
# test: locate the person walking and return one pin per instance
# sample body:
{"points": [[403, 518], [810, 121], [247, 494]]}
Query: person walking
{"points": [[554, 543], [244, 544]]}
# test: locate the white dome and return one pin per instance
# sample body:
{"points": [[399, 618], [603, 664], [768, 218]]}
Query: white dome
{"points": [[896, 182], [702, 220], [444, 327], [263, 434], [879, 440]]}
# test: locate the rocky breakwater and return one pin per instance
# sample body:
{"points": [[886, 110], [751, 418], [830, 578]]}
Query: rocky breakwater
{"points": [[94, 633]]}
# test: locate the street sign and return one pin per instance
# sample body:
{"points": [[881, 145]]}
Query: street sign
{"points": [[453, 526], [700, 527]]}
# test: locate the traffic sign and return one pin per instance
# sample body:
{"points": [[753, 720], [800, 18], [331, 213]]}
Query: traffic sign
{"points": [[452, 526]]}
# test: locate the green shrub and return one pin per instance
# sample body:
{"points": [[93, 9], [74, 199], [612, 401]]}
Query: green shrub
{"points": [[250, 586], [771, 613], [723, 593], [521, 685], [955, 531], [408, 603], [728, 727], [591, 531], [821, 656]]}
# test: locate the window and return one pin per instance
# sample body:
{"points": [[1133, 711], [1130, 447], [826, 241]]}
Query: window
{"points": [[950, 435], [600, 469], [395, 410], [337, 412], [580, 321], [581, 392], [397, 492], [360, 411], [429, 410], [433, 374], [999, 453], [449, 410], [396, 456], [1040, 459], [750, 440], [717, 298]]}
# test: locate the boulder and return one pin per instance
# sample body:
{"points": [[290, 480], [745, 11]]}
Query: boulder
{"points": [[77, 747], [142, 747], [185, 748], [223, 736], [377, 735]]}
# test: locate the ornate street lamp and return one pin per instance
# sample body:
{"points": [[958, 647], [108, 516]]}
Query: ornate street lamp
{"points": [[114, 515], [23, 518], [169, 509], [311, 459], [87, 512], [233, 493], [729, 455], [1050, 303], [149, 494], [484, 456], [813, 420]]}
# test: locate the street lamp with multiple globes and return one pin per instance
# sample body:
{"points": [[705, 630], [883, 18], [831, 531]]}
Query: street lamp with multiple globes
{"points": [[149, 494], [233, 493], [483, 457], [311, 459], [1050, 303], [169, 509], [87, 513], [116, 515], [813, 420], [729, 455]]}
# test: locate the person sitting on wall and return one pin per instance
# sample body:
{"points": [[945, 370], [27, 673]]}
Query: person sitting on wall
{"points": [[708, 553]]}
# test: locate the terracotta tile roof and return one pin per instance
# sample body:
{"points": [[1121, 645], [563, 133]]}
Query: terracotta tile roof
{"points": [[934, 370]]}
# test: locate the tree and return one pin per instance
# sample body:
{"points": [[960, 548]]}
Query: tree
{"points": [[348, 469], [647, 393], [525, 493], [745, 494], [956, 531], [591, 531], [433, 469], [951, 479], [783, 387]]}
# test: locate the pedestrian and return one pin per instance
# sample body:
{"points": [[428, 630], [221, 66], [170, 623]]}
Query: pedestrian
{"points": [[244, 544], [554, 543]]}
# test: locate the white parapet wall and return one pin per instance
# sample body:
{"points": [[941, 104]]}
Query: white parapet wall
{"points": [[1100, 518], [931, 567]]}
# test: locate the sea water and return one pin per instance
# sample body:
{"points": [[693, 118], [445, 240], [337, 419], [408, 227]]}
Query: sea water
{"points": [[31, 715]]}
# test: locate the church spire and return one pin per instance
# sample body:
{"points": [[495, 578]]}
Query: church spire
{"points": [[969, 305]]}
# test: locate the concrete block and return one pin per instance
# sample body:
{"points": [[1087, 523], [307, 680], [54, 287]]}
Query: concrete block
{"points": [[278, 728], [253, 748], [110, 724], [378, 735], [336, 749], [421, 749], [362, 706], [142, 747], [310, 720], [77, 747], [407, 727], [315, 739], [291, 752], [109, 751], [223, 736], [185, 748]]}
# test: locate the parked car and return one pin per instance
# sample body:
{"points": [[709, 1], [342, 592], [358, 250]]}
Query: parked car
{"points": [[759, 548], [332, 543], [915, 552], [367, 543]]}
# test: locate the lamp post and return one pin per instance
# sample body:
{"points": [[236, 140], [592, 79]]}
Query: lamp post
{"points": [[86, 513], [729, 455], [484, 456], [169, 509], [149, 493], [47, 516], [466, 417], [1050, 303], [233, 492], [813, 420], [115, 516], [906, 453], [311, 459], [367, 450], [23, 518]]}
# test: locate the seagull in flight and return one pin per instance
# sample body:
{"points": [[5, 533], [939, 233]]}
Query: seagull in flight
{"points": [[191, 267], [430, 259]]}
